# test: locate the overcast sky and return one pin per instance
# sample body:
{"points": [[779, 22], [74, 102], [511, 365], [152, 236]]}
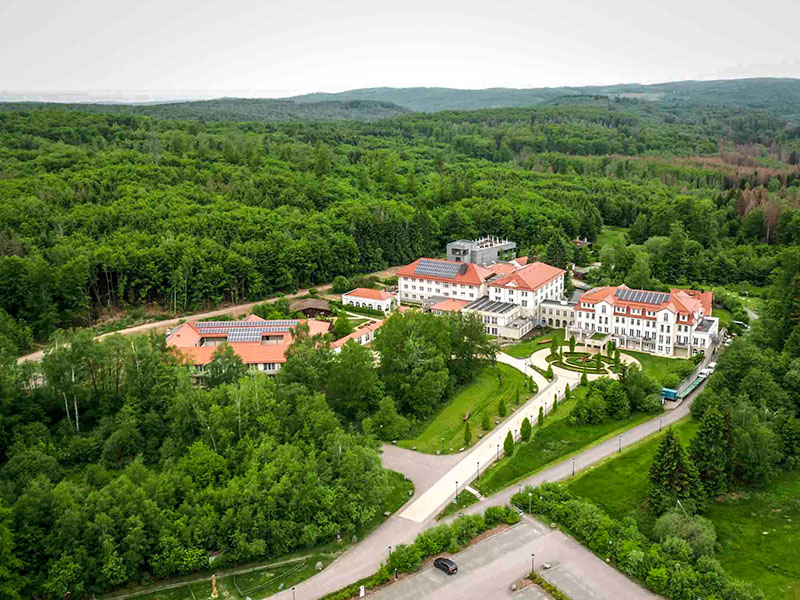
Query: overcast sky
{"points": [[278, 48]]}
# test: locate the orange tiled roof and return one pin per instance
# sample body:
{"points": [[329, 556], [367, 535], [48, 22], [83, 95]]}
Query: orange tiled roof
{"points": [[471, 275], [187, 337], [450, 305], [369, 294], [360, 331], [529, 277], [686, 302]]}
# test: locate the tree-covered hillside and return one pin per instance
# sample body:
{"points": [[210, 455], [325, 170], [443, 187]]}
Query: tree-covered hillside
{"points": [[101, 211], [233, 109], [779, 95]]}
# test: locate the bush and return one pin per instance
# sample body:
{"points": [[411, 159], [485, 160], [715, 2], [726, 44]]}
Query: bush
{"points": [[696, 531], [495, 515], [340, 285], [501, 408], [434, 541], [466, 527], [405, 558]]}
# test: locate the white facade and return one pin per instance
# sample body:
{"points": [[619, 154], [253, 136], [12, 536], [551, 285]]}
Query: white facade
{"points": [[528, 299], [372, 299], [501, 319], [416, 289]]}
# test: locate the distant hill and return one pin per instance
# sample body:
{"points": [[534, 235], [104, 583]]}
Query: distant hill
{"points": [[782, 96], [235, 109]]}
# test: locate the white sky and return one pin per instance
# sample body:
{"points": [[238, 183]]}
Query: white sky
{"points": [[274, 48]]}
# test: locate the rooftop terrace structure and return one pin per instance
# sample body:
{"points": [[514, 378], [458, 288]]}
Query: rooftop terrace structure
{"points": [[482, 251]]}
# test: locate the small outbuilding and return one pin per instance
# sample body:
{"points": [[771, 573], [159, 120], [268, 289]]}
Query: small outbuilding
{"points": [[311, 307]]}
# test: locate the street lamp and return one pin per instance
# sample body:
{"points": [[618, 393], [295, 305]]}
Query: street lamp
{"points": [[456, 490], [660, 419], [498, 453], [530, 499], [292, 592], [573, 466], [519, 489], [620, 443], [442, 444], [533, 562], [477, 470]]}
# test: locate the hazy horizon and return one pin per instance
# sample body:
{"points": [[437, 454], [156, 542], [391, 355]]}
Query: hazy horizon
{"points": [[177, 49]]}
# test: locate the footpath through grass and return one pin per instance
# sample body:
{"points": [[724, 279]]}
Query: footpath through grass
{"points": [[757, 529], [482, 394], [259, 581], [554, 440]]}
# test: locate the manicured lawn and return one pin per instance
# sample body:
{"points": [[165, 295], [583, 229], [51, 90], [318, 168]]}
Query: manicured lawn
{"points": [[609, 235], [659, 367], [757, 530], [356, 321], [482, 394], [528, 347], [555, 440], [464, 499]]}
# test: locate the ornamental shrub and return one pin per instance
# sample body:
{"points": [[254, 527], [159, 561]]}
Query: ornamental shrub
{"points": [[405, 558]]}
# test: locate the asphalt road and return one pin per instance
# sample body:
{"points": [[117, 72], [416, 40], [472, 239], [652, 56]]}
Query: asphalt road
{"points": [[487, 570]]}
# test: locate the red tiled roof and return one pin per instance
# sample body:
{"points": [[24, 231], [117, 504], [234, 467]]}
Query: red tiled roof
{"points": [[360, 331], [521, 260], [680, 301], [529, 277], [369, 294], [472, 275], [186, 338], [450, 305]]}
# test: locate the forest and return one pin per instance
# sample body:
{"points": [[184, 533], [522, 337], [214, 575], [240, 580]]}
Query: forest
{"points": [[116, 469], [100, 212]]}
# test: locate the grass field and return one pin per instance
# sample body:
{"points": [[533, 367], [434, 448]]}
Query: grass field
{"points": [[528, 347], [757, 530], [483, 394], [267, 580], [609, 235], [555, 440], [659, 367]]}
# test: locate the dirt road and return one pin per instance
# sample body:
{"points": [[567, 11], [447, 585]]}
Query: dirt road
{"points": [[235, 310]]}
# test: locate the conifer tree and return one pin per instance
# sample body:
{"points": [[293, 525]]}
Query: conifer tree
{"points": [[508, 444], [584, 378], [501, 408], [486, 424], [467, 434], [572, 343], [541, 416], [710, 453], [674, 477], [525, 429]]}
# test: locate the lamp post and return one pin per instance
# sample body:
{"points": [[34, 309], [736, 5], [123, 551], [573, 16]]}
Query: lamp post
{"points": [[573, 466], [292, 592], [660, 419], [477, 470], [530, 500], [390, 550], [519, 488], [498, 453], [533, 562], [456, 490], [620, 444]]}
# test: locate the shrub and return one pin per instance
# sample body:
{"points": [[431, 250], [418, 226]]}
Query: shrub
{"points": [[525, 429], [657, 580], [467, 434], [501, 408], [486, 423], [340, 285], [697, 531], [405, 558], [495, 515], [549, 374], [513, 517], [466, 527], [436, 540], [508, 444]]}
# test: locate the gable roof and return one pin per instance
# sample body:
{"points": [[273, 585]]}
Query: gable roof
{"points": [[678, 300], [529, 277], [448, 270], [360, 331], [450, 305], [369, 294]]}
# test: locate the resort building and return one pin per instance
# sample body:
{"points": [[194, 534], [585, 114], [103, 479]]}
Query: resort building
{"points": [[501, 319], [678, 323], [480, 252], [373, 299], [529, 286], [261, 344], [364, 334], [448, 305], [431, 277]]}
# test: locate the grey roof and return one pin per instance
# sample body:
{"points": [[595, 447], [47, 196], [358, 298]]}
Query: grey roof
{"points": [[493, 306], [437, 268], [245, 331], [642, 296]]}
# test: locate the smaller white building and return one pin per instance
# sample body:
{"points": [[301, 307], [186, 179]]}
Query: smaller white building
{"points": [[372, 299], [501, 319]]}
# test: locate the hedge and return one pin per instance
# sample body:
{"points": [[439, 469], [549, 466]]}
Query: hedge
{"points": [[670, 568]]}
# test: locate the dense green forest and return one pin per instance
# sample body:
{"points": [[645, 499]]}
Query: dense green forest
{"points": [[105, 211], [232, 109]]}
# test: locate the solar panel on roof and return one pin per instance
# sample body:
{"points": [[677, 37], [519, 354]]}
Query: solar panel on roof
{"points": [[245, 335], [641, 296], [437, 269]]}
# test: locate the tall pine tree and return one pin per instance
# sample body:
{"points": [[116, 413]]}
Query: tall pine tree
{"points": [[674, 477], [710, 452]]}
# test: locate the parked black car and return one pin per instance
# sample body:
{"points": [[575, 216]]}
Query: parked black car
{"points": [[446, 565]]}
